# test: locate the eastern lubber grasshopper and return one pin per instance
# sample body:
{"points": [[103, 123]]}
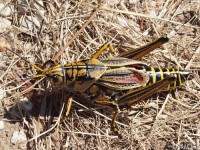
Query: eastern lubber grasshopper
{"points": [[115, 82]]}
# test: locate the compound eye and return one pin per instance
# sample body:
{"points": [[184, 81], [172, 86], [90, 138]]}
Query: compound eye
{"points": [[55, 78]]}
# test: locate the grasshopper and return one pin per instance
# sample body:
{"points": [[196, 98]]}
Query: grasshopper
{"points": [[117, 82]]}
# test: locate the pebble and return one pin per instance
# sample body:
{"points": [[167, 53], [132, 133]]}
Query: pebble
{"points": [[18, 137], [5, 11], [133, 1], [28, 105], [171, 34], [113, 2], [4, 24], [1, 124], [2, 94]]}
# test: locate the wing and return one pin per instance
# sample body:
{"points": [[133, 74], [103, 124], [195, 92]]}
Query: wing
{"points": [[123, 78], [115, 62]]}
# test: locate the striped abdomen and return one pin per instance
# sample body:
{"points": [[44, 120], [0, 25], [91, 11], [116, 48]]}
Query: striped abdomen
{"points": [[157, 74]]}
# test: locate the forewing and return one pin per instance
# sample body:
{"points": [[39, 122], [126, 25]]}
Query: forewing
{"points": [[123, 78], [114, 62]]}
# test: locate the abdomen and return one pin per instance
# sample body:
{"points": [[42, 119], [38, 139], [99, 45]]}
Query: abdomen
{"points": [[157, 74]]}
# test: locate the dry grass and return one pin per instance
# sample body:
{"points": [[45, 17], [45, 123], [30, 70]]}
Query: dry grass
{"points": [[175, 119]]}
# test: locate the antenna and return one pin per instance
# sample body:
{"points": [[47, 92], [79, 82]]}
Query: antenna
{"points": [[32, 64]]}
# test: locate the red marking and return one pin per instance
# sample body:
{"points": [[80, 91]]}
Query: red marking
{"points": [[133, 78], [139, 76], [136, 66]]}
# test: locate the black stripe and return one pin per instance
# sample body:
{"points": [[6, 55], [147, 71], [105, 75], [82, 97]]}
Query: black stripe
{"points": [[77, 71], [158, 74], [87, 70], [116, 74], [165, 72], [64, 74]]}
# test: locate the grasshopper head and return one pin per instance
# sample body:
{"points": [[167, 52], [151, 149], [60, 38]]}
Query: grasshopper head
{"points": [[55, 74]]}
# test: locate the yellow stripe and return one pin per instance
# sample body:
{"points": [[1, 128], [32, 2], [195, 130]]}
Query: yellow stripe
{"points": [[58, 66], [75, 72], [144, 70], [68, 106], [153, 74], [55, 69], [69, 73], [58, 73], [179, 77], [80, 63], [168, 88], [161, 74], [173, 71]]}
